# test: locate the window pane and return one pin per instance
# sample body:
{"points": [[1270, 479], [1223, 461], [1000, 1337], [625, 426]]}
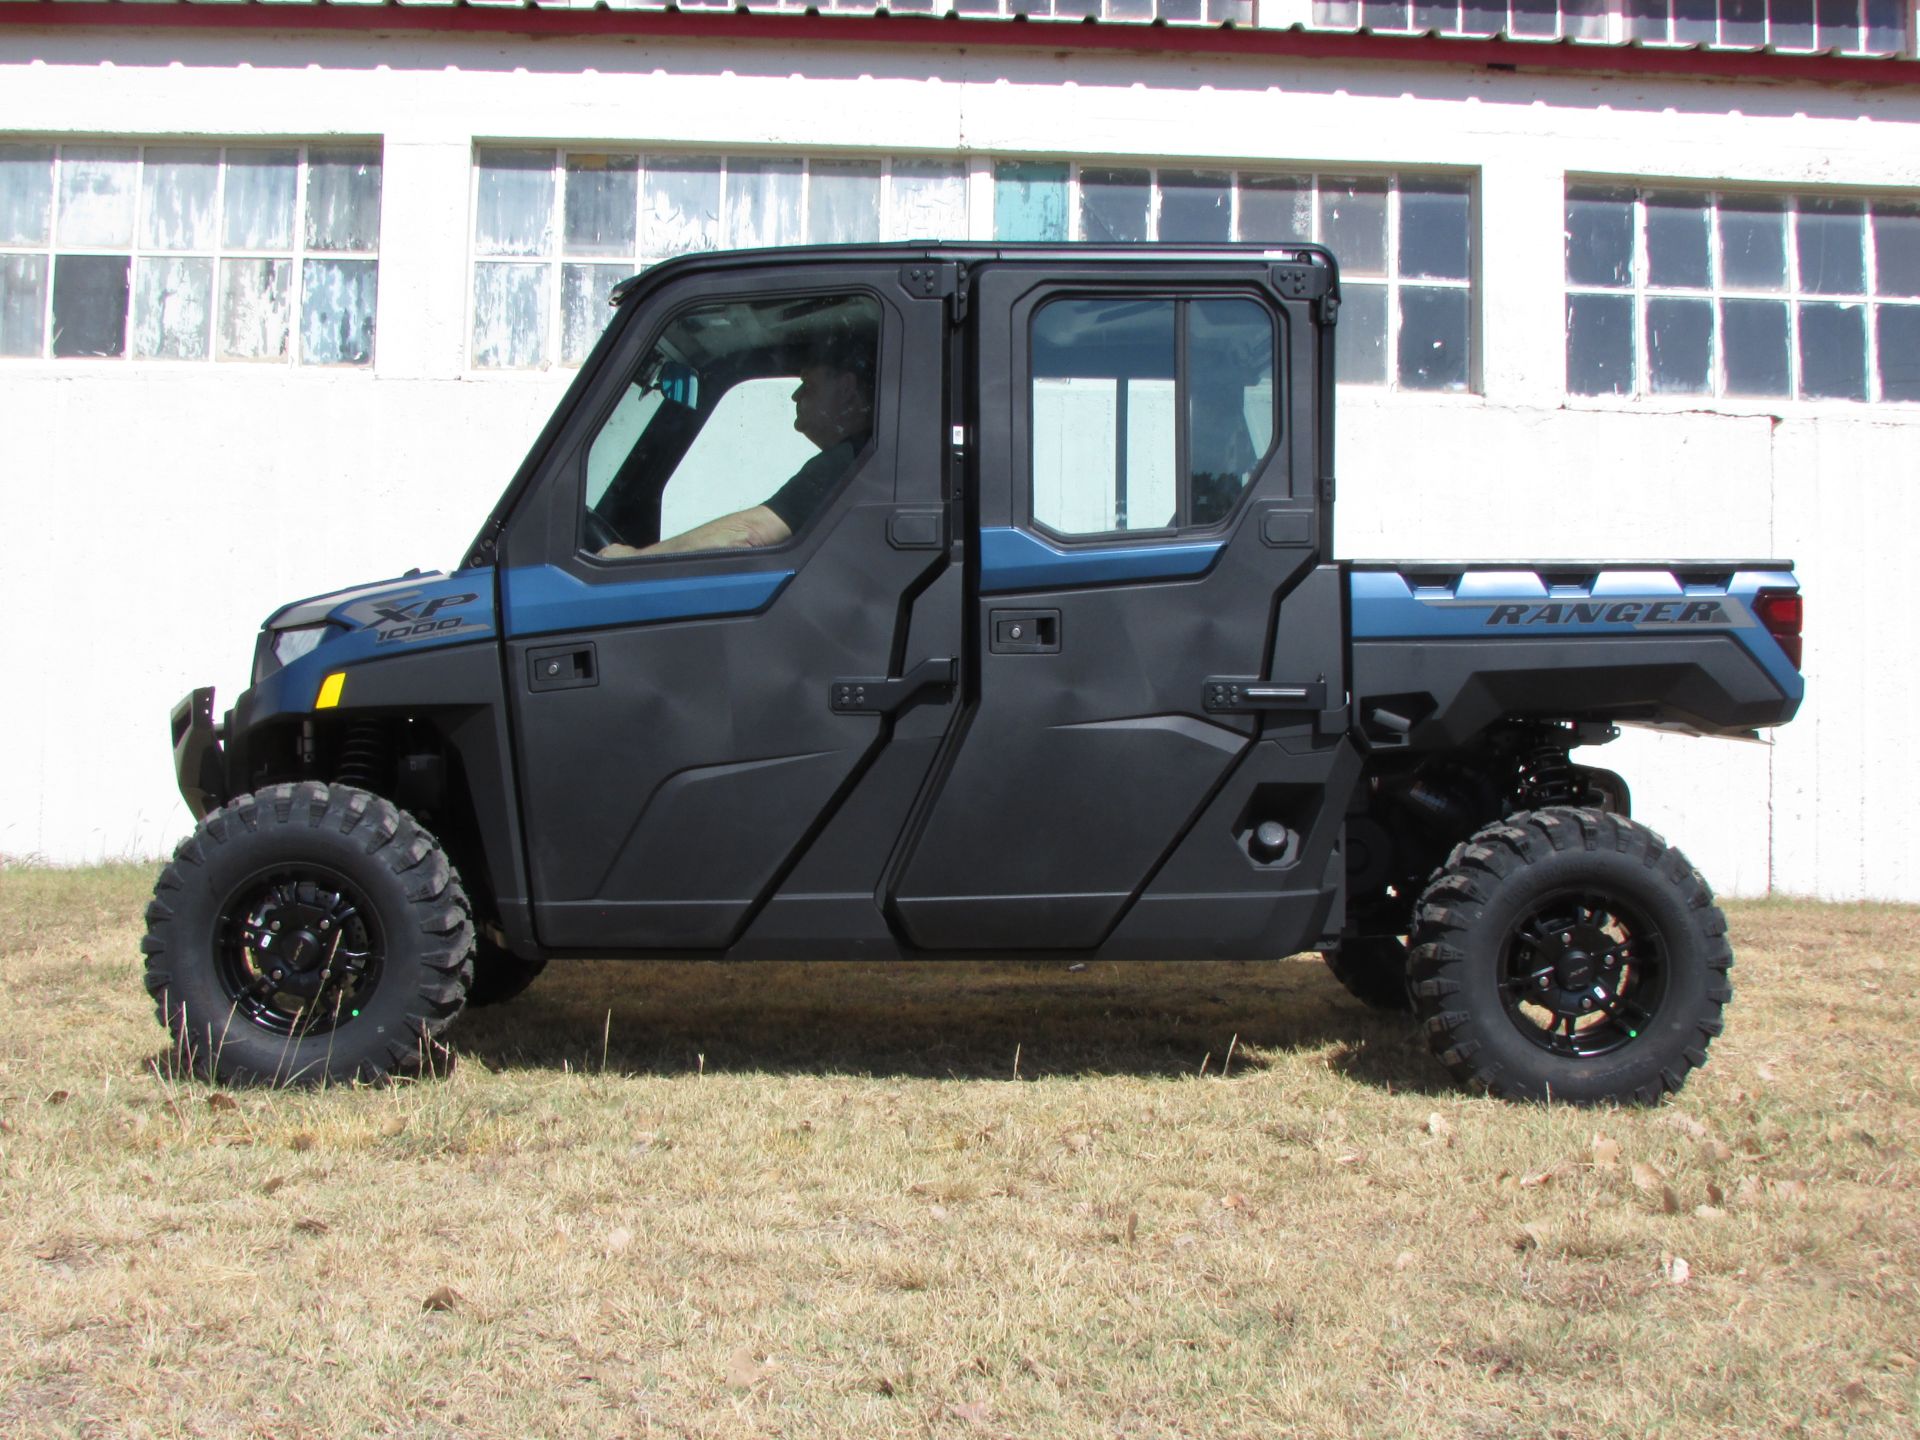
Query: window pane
{"points": [[1792, 24], [1694, 22], [1433, 229], [1677, 242], [1113, 204], [1896, 249], [1103, 415], [843, 202], [1753, 347], [26, 194], [1435, 15], [343, 199], [1344, 13], [1360, 339], [1647, 20], [1353, 224], [1600, 344], [259, 206], [1229, 402], [584, 311], [172, 308], [1886, 26], [1275, 207], [256, 309], [681, 210], [1743, 23], [1839, 24], [1483, 17], [1599, 237], [509, 316], [1433, 338], [1680, 347], [927, 201], [23, 303], [337, 311], [602, 205], [1753, 245], [1538, 19], [1196, 205], [1898, 331], [763, 202], [1833, 352], [1587, 19], [96, 196], [1831, 244], [177, 199], [1385, 14], [515, 203], [90, 305], [1029, 200]]}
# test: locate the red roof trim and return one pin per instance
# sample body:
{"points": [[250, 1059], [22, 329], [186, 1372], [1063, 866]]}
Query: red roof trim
{"points": [[951, 32]]}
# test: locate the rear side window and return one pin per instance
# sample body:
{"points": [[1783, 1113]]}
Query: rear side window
{"points": [[1148, 414]]}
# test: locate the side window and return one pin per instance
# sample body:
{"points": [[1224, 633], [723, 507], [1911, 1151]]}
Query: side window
{"points": [[736, 427], [1148, 415]]}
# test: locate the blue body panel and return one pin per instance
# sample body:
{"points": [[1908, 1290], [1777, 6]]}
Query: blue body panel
{"points": [[1017, 560], [1620, 600], [545, 600]]}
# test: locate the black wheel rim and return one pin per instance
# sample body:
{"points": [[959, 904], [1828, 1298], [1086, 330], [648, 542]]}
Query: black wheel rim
{"points": [[1583, 973], [299, 949]]}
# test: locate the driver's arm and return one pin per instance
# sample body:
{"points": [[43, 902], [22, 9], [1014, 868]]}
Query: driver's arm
{"points": [[742, 530]]}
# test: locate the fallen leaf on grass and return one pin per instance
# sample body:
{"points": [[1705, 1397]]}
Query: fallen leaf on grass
{"points": [[1708, 1212], [1645, 1177], [310, 1225], [445, 1298], [1764, 1071], [1233, 1202], [302, 1141], [1076, 1140], [218, 1101], [974, 1412], [1715, 1195], [1687, 1125], [1669, 1200], [1439, 1126], [1675, 1268], [57, 1097], [394, 1126], [1789, 1189], [1352, 1157], [1529, 1236], [1715, 1152], [618, 1239], [1133, 1226], [1539, 1178], [744, 1370], [1748, 1189], [272, 1183], [1606, 1153], [1405, 1260]]}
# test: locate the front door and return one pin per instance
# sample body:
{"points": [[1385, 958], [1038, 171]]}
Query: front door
{"points": [[707, 601]]}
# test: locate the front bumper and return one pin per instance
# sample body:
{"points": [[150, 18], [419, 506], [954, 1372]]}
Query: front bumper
{"points": [[199, 763]]}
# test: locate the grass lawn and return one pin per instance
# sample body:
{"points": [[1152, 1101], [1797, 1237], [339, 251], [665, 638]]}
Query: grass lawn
{"points": [[964, 1200]]}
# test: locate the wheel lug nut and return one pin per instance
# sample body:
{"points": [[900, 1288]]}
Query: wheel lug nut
{"points": [[279, 974], [326, 924], [1586, 1002], [275, 927], [1546, 982]]}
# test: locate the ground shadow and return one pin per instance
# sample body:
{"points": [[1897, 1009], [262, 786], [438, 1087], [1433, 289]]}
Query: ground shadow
{"points": [[959, 1019]]}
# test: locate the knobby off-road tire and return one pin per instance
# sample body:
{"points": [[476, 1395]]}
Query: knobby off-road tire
{"points": [[308, 933], [1570, 955], [499, 975], [1374, 970]]}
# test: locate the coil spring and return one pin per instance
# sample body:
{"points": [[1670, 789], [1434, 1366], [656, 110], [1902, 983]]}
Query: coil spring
{"points": [[1547, 778], [363, 755]]}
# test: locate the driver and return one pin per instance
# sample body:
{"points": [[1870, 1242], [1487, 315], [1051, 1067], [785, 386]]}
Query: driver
{"points": [[832, 407]]}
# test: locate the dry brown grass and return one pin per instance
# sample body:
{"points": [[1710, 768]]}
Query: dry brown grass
{"points": [[729, 1201]]}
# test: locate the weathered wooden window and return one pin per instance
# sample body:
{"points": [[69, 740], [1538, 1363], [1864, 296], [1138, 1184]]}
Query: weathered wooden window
{"points": [[555, 230], [1679, 292], [189, 252], [1404, 243]]}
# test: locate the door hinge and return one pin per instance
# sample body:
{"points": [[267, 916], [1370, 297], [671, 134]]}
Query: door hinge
{"points": [[931, 280], [884, 696]]}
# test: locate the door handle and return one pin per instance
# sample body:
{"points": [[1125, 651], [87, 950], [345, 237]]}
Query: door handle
{"points": [[884, 696], [563, 667]]}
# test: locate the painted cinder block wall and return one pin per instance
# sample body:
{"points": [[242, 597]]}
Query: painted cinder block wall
{"points": [[156, 512]]}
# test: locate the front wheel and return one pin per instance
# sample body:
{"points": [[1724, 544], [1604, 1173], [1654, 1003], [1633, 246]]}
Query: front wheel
{"points": [[1570, 955], [307, 933]]}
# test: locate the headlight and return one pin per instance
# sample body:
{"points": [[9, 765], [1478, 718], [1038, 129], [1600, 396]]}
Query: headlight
{"points": [[290, 645]]}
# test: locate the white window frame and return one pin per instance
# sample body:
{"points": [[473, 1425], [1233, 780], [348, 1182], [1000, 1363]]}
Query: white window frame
{"points": [[1792, 296], [1611, 25], [136, 251]]}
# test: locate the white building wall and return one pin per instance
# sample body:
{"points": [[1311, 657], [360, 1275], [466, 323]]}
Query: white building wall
{"points": [[156, 512]]}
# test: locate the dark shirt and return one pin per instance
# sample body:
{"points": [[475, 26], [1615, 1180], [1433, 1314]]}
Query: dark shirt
{"points": [[795, 501]]}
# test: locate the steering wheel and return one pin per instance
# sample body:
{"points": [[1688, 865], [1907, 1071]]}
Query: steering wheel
{"points": [[600, 532]]}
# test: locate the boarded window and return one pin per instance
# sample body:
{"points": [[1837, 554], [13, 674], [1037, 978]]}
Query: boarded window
{"points": [[189, 252]]}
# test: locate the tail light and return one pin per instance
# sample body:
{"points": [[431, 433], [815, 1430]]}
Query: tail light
{"points": [[1780, 612]]}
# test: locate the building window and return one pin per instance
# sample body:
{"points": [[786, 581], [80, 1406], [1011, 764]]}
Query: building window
{"points": [[1172, 12], [1673, 292], [1404, 243], [189, 252], [1850, 27], [555, 230]]}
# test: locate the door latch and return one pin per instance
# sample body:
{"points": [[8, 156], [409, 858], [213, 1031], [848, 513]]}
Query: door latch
{"points": [[884, 696], [563, 667]]}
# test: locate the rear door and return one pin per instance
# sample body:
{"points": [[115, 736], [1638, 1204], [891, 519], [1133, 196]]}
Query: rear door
{"points": [[1146, 501], [689, 719]]}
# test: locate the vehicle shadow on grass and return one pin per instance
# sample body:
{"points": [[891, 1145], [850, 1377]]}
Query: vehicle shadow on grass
{"points": [[939, 1019]]}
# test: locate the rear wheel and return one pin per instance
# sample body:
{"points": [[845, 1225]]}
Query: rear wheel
{"points": [[1374, 970], [307, 933], [1571, 955]]}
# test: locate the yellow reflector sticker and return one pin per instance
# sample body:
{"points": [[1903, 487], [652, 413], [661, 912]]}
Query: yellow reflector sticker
{"points": [[330, 689]]}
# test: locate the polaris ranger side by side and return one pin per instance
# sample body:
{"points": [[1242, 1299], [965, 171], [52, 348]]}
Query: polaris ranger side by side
{"points": [[916, 601]]}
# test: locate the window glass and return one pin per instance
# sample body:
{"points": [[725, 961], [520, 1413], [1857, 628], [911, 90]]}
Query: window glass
{"points": [[603, 204], [1679, 345], [1833, 352], [259, 199], [843, 202], [1753, 244], [23, 302], [173, 308], [1831, 245], [1106, 410], [1600, 344], [26, 194], [337, 312], [1754, 347], [1353, 223], [178, 193], [1115, 205], [1030, 200], [1433, 338], [1896, 249], [1677, 228], [739, 424], [1899, 345], [763, 202], [96, 195], [584, 310], [343, 199], [256, 309], [927, 201], [89, 305], [509, 316], [1360, 339], [1599, 237], [1276, 207], [515, 203], [1433, 229], [1196, 205]]}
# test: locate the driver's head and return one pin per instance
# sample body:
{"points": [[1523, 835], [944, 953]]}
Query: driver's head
{"points": [[834, 400]]}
